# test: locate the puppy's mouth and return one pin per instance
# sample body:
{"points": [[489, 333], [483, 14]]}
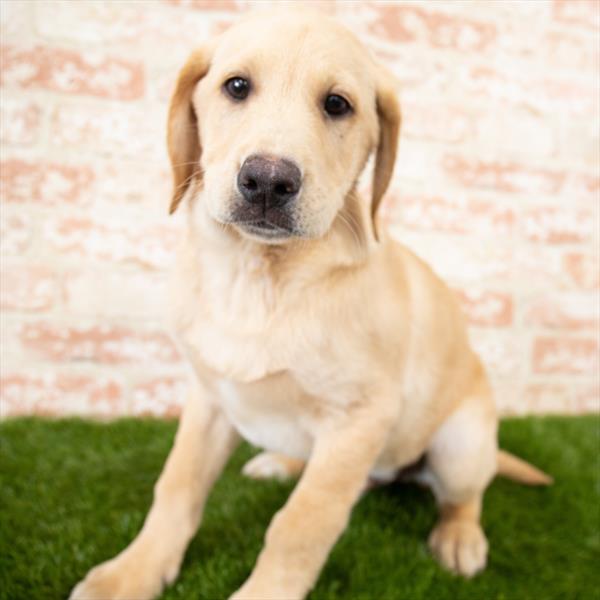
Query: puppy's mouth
{"points": [[264, 228], [271, 224]]}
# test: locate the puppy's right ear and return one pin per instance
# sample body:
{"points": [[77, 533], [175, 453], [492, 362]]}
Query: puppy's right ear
{"points": [[183, 139]]}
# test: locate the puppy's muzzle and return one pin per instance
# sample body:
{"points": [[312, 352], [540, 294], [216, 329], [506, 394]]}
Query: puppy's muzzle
{"points": [[268, 181]]}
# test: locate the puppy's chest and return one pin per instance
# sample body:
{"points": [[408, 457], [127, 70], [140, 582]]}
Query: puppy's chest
{"points": [[230, 325], [272, 362], [244, 328], [272, 413], [238, 356]]}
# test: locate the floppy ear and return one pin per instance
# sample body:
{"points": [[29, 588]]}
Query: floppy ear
{"points": [[182, 131], [388, 113]]}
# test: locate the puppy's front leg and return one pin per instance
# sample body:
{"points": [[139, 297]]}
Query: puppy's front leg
{"points": [[302, 534], [204, 441]]}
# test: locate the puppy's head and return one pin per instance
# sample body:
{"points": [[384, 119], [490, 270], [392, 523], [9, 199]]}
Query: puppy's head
{"points": [[273, 123]]}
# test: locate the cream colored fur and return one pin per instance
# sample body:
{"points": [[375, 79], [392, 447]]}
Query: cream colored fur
{"points": [[332, 348]]}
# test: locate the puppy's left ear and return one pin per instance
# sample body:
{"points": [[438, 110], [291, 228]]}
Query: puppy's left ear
{"points": [[388, 113], [183, 139]]}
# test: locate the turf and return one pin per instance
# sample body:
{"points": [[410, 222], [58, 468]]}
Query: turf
{"points": [[73, 493]]}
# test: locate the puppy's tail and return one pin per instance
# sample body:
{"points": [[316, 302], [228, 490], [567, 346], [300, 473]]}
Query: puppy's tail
{"points": [[518, 470]]}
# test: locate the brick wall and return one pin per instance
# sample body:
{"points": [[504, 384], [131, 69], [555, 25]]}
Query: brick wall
{"points": [[497, 186]]}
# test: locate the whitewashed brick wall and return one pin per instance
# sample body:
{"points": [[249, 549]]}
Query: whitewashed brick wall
{"points": [[497, 186]]}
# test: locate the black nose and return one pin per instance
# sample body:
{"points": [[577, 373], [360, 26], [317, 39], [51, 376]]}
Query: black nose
{"points": [[269, 180]]}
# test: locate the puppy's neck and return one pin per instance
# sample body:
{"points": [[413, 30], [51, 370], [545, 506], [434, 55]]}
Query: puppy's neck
{"points": [[244, 286], [347, 244]]}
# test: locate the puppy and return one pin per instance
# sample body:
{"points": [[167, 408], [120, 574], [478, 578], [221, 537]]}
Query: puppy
{"points": [[309, 334]]}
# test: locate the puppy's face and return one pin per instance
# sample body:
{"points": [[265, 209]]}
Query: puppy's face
{"points": [[286, 113]]}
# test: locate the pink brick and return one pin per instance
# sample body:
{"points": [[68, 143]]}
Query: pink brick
{"points": [[486, 307], [205, 4], [548, 398], [112, 240], [543, 266], [583, 270], [14, 20], [134, 132], [552, 355], [419, 82], [539, 95], [503, 176], [28, 288], [162, 397], [500, 351], [89, 23], [57, 394], [404, 23], [19, 121], [558, 225], [569, 51], [587, 399], [45, 183], [81, 184], [15, 234], [565, 94], [108, 344], [62, 70], [121, 182], [439, 122], [577, 143], [128, 29], [507, 395], [453, 215], [162, 85], [584, 186], [563, 47], [461, 262], [112, 293], [567, 310], [518, 133], [591, 185], [578, 12], [420, 162]]}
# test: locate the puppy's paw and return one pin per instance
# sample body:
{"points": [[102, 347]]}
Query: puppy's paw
{"points": [[270, 465], [460, 546], [125, 577]]}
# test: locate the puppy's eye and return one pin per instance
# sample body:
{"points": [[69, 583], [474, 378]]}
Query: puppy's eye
{"points": [[336, 106], [237, 87]]}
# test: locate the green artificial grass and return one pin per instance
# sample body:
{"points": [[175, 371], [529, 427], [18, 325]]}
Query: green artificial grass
{"points": [[74, 493]]}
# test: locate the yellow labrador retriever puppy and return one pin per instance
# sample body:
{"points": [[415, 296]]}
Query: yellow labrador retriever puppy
{"points": [[308, 334]]}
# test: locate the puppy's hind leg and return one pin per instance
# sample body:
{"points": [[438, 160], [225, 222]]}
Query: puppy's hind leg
{"points": [[272, 465], [461, 461]]}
